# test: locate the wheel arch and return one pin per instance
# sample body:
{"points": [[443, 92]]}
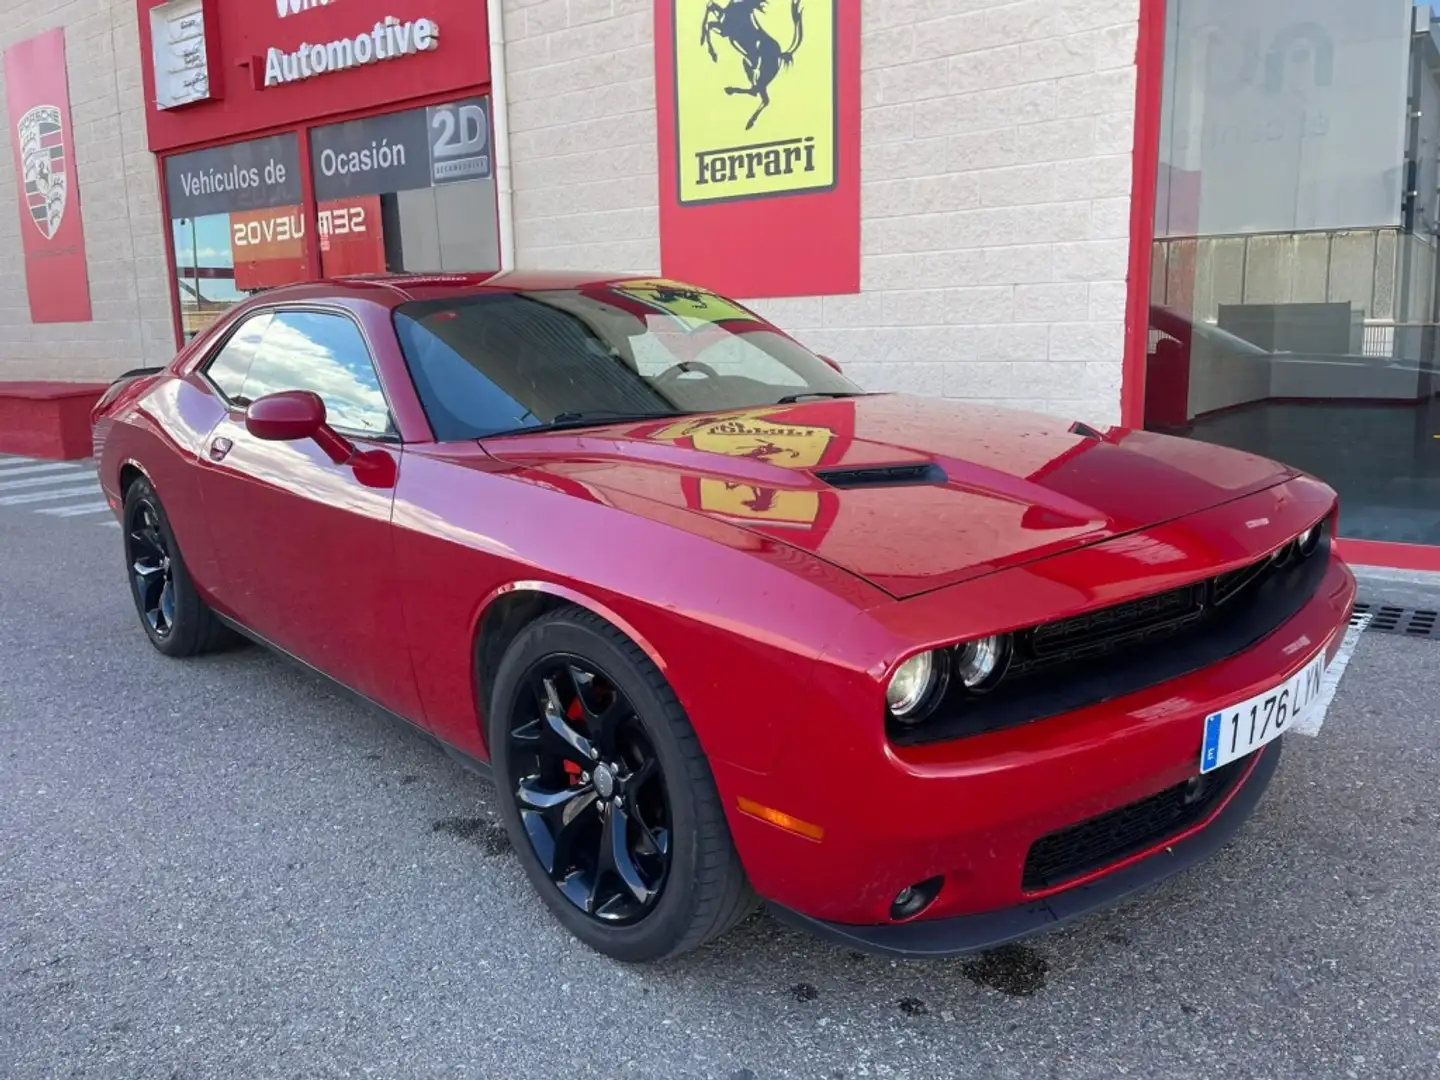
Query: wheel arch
{"points": [[508, 610], [130, 471]]}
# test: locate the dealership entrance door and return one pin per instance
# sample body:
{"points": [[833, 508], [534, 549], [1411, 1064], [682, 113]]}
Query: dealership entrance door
{"points": [[1293, 301]]}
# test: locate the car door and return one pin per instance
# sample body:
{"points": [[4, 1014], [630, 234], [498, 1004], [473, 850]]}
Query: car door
{"points": [[304, 543]]}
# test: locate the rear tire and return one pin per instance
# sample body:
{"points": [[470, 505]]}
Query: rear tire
{"points": [[175, 619], [675, 880]]}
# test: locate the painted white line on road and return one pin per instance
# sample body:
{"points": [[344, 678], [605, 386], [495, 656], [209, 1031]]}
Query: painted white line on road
{"points": [[111, 524], [51, 495], [1315, 715], [26, 469], [75, 511], [38, 481]]}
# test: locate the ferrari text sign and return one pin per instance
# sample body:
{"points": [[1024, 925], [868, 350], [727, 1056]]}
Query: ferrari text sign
{"points": [[38, 97], [755, 101], [759, 131]]}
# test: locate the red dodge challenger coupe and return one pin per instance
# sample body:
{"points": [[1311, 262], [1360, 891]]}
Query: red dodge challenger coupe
{"points": [[925, 677]]}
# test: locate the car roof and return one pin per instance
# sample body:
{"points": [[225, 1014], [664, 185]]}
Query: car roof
{"points": [[394, 289]]}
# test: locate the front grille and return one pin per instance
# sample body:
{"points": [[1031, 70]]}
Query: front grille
{"points": [[1092, 845], [1098, 632], [1086, 659]]}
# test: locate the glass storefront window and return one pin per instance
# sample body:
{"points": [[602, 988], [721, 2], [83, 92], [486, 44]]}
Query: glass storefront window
{"points": [[407, 191], [237, 225], [1293, 302], [404, 191]]}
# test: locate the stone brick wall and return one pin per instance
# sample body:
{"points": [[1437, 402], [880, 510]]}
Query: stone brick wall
{"points": [[995, 190], [119, 194], [996, 167]]}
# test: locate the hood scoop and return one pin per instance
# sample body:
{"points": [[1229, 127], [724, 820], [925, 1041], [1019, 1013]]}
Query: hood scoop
{"points": [[873, 476]]}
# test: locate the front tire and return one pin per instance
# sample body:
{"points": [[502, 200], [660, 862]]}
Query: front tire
{"points": [[607, 796], [175, 619]]}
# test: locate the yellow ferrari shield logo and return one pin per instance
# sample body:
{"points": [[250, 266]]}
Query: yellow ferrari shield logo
{"points": [[747, 503], [754, 435], [691, 306], [755, 97]]}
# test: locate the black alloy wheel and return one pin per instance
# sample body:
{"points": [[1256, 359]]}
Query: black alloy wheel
{"points": [[607, 796], [175, 617], [151, 575], [590, 790]]}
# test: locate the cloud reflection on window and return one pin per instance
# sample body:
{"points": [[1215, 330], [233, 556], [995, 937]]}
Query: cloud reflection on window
{"points": [[326, 354]]}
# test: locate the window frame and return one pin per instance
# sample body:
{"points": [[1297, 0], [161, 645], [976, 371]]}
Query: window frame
{"points": [[390, 435]]}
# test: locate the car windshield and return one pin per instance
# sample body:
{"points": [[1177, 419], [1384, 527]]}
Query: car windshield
{"points": [[506, 362]]}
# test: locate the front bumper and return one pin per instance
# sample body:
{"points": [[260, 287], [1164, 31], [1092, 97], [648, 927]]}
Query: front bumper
{"points": [[962, 934], [970, 811]]}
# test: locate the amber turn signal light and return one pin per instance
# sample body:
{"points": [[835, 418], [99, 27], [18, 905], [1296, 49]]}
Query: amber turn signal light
{"points": [[780, 819]]}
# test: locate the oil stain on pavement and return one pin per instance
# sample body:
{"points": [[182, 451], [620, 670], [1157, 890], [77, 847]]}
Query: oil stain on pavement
{"points": [[1017, 970], [488, 836]]}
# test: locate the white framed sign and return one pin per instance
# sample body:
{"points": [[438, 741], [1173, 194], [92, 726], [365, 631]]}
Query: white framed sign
{"points": [[178, 47]]}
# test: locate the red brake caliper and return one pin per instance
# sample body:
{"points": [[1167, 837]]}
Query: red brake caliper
{"points": [[572, 770]]}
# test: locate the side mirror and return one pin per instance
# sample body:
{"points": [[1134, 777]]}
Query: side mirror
{"points": [[829, 361], [292, 415], [288, 416]]}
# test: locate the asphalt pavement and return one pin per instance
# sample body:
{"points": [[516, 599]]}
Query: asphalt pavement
{"points": [[217, 868]]}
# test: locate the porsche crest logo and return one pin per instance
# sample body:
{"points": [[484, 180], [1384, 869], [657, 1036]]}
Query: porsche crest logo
{"points": [[755, 97], [42, 164], [754, 435], [691, 306]]}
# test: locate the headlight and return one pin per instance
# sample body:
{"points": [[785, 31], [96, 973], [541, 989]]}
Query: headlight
{"points": [[981, 663], [913, 686], [1310, 539]]}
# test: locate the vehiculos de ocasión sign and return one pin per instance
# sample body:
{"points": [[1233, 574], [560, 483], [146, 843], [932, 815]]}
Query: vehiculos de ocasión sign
{"points": [[37, 94], [758, 105]]}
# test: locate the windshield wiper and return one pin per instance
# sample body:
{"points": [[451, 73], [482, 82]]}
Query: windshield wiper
{"points": [[791, 399], [587, 418]]}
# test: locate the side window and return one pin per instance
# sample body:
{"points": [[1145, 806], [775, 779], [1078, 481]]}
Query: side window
{"points": [[228, 367], [310, 350]]}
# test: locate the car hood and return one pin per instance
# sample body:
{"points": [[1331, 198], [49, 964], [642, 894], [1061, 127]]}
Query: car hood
{"points": [[910, 494]]}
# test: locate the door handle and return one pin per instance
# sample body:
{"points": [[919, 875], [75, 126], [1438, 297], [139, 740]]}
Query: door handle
{"points": [[219, 448]]}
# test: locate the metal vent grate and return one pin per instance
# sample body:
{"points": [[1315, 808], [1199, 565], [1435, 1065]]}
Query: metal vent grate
{"points": [[1407, 622]]}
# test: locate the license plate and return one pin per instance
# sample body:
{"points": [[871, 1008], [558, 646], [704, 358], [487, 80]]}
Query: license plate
{"points": [[1234, 732]]}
